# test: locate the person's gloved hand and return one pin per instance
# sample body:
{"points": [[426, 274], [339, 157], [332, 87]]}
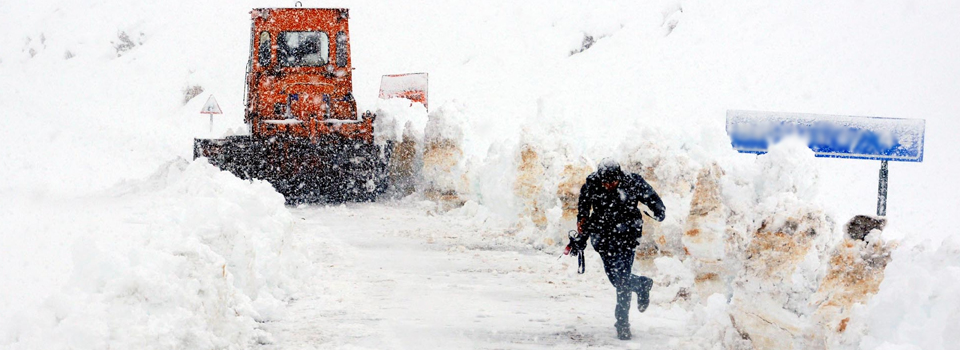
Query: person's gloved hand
{"points": [[577, 244]]}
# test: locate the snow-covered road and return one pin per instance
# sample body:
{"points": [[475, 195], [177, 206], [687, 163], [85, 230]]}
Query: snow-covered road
{"points": [[394, 277]]}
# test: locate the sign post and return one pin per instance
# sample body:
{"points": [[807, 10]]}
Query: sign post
{"points": [[833, 136], [882, 195], [211, 107]]}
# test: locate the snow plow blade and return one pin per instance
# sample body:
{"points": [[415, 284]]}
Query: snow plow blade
{"points": [[411, 86], [303, 171]]}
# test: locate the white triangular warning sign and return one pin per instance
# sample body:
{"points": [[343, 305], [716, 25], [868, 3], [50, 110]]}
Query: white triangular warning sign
{"points": [[211, 107]]}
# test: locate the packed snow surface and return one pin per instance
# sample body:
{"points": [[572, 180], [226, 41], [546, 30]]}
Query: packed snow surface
{"points": [[191, 257], [109, 238]]}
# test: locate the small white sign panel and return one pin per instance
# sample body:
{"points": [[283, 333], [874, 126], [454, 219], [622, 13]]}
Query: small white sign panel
{"points": [[211, 107]]}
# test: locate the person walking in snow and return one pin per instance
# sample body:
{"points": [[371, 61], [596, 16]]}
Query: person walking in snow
{"points": [[609, 216]]}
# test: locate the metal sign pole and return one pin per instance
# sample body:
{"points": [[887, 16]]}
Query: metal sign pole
{"points": [[211, 124], [882, 195]]}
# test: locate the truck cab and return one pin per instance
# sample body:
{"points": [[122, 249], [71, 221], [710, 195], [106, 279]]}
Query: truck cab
{"points": [[299, 79]]}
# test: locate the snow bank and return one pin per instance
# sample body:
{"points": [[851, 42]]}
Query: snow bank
{"points": [[402, 123], [747, 245], [428, 156], [918, 304], [393, 117], [203, 257]]}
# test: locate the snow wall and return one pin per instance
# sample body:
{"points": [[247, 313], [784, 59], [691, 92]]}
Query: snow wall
{"points": [[747, 246], [189, 258]]}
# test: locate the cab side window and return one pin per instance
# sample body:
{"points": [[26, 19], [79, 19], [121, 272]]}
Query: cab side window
{"points": [[263, 53], [342, 49]]}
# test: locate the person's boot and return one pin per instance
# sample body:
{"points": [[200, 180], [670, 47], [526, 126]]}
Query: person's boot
{"points": [[623, 331], [643, 294]]}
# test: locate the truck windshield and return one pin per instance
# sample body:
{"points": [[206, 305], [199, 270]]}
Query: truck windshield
{"points": [[298, 49]]}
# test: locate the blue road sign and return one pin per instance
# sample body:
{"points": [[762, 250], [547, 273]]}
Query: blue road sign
{"points": [[829, 135]]}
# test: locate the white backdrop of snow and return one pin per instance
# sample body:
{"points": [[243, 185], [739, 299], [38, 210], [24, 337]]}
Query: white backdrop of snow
{"points": [[80, 119]]}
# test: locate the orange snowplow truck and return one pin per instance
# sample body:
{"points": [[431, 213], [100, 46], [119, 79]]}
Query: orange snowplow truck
{"points": [[306, 137]]}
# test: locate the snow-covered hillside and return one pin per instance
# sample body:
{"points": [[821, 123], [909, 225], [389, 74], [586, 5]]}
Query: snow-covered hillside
{"points": [[100, 103]]}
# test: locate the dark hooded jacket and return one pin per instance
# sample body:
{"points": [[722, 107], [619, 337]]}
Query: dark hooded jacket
{"points": [[613, 217]]}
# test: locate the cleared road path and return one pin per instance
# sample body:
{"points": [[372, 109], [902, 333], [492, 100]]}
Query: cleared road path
{"points": [[396, 277]]}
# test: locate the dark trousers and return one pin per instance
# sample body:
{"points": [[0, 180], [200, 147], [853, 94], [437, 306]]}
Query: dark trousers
{"points": [[618, 264]]}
